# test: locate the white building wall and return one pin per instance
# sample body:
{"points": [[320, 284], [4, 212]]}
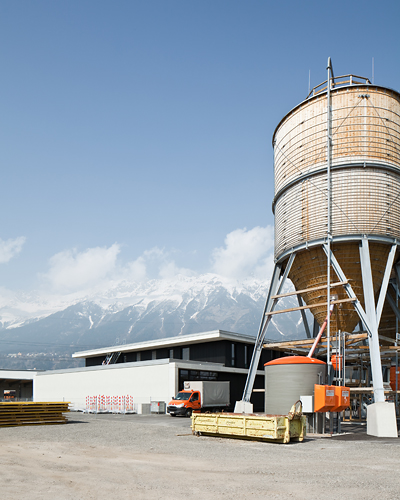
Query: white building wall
{"points": [[18, 374], [173, 380], [145, 382]]}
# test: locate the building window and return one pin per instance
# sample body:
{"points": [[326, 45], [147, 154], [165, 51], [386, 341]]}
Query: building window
{"points": [[171, 353], [138, 356], [208, 376], [153, 354], [186, 353], [233, 355], [246, 363]]}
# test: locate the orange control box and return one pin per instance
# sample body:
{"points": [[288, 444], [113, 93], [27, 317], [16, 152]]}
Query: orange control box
{"points": [[324, 397], [342, 398]]}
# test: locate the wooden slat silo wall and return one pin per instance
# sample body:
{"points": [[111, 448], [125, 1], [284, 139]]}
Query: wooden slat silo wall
{"points": [[365, 187]]}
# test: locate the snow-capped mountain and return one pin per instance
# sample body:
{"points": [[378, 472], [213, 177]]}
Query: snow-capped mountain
{"points": [[129, 312]]}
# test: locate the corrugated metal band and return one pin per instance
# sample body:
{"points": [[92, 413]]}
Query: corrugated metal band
{"points": [[335, 239], [308, 175], [366, 201], [305, 157]]}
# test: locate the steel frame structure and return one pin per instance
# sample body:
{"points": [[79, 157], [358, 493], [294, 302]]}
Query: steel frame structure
{"points": [[370, 317]]}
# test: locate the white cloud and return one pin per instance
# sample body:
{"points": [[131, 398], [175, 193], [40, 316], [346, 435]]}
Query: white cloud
{"points": [[155, 263], [246, 253], [10, 248], [73, 270], [169, 270], [136, 270]]}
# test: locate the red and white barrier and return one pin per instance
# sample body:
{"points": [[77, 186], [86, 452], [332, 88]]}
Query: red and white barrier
{"points": [[110, 404]]}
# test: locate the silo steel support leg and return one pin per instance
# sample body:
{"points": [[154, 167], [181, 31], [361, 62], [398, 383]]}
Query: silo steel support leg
{"points": [[393, 305], [303, 315], [315, 328], [349, 290], [368, 317], [274, 289], [397, 272], [374, 351], [385, 283]]}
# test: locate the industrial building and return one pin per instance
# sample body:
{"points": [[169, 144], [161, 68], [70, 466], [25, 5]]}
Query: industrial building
{"points": [[17, 384], [337, 239], [151, 371]]}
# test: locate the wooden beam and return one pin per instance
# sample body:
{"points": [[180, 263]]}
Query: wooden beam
{"points": [[319, 304], [315, 288], [353, 337], [370, 389]]}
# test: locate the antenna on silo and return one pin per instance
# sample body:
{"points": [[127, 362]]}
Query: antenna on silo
{"points": [[309, 81], [373, 72]]}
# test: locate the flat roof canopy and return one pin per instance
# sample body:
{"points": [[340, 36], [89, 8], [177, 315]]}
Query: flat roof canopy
{"points": [[194, 338]]}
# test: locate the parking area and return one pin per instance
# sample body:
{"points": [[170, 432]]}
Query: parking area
{"points": [[156, 456]]}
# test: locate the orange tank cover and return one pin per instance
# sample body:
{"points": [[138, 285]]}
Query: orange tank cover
{"points": [[324, 398], [295, 360]]}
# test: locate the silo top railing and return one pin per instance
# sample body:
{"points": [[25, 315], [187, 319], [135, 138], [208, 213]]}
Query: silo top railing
{"points": [[339, 81]]}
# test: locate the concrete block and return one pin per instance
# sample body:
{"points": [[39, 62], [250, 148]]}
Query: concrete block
{"points": [[381, 420], [144, 408], [307, 402], [243, 407]]}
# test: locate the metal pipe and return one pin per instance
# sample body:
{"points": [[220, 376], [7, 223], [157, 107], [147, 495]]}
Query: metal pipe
{"points": [[329, 228], [339, 415], [340, 357], [344, 358], [397, 353], [321, 331]]}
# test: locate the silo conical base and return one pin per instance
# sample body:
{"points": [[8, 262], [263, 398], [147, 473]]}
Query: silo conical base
{"points": [[310, 270]]}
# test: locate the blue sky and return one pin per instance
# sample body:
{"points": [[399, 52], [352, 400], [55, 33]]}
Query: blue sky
{"points": [[138, 129]]}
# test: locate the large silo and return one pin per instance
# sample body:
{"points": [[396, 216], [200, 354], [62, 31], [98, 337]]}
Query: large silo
{"points": [[337, 209], [365, 181]]}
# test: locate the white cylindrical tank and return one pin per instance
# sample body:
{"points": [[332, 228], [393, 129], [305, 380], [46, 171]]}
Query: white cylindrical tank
{"points": [[288, 378]]}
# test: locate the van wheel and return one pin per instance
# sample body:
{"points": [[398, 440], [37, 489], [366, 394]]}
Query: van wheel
{"points": [[188, 412], [172, 414]]}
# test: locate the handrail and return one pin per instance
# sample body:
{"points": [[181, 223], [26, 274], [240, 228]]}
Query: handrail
{"points": [[338, 82]]}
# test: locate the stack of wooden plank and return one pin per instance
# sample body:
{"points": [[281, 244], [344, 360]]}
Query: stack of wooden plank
{"points": [[31, 413]]}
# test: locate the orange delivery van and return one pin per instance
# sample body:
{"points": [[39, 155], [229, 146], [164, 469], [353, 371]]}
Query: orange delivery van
{"points": [[200, 396]]}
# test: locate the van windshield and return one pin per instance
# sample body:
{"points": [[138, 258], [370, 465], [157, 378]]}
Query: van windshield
{"points": [[183, 396]]}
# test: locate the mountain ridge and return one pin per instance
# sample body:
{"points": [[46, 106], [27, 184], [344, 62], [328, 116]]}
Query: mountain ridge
{"points": [[132, 312]]}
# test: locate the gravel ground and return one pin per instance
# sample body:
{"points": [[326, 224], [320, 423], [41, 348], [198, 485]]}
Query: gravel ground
{"points": [[156, 456]]}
